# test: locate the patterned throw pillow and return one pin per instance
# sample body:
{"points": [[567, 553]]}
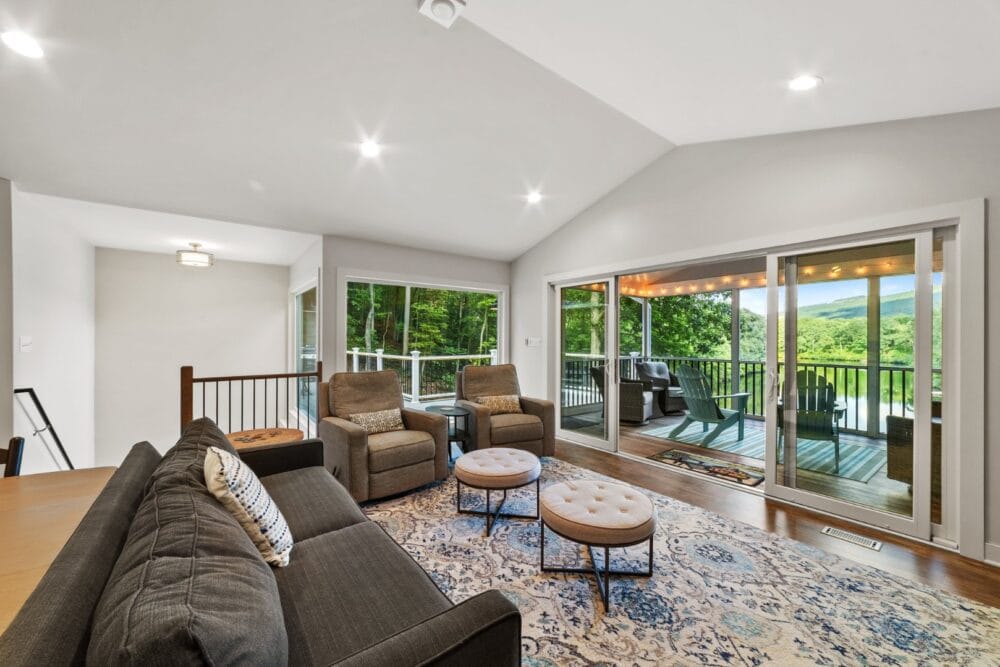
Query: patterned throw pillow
{"points": [[379, 422], [501, 405], [238, 489]]}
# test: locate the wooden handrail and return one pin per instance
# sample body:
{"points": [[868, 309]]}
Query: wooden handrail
{"points": [[188, 381]]}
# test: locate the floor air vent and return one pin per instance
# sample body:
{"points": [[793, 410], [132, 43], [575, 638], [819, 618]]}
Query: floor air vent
{"points": [[853, 538]]}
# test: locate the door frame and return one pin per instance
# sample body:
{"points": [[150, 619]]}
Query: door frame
{"points": [[610, 443], [966, 424], [918, 524]]}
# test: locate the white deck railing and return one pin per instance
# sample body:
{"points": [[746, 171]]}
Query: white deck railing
{"points": [[429, 378]]}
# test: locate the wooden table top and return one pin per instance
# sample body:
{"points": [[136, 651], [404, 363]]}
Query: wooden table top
{"points": [[264, 436], [38, 513]]}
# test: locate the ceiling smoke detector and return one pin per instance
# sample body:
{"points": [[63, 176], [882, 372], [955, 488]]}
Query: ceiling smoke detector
{"points": [[443, 12]]}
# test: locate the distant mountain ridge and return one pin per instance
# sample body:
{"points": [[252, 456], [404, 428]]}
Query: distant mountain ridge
{"points": [[901, 303]]}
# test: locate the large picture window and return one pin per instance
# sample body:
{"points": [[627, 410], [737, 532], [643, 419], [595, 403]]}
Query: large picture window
{"points": [[425, 334]]}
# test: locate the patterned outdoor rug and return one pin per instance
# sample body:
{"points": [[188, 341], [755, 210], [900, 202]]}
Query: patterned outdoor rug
{"points": [[857, 462], [706, 465], [723, 593]]}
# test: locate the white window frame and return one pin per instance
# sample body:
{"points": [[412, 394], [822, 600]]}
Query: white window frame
{"points": [[347, 275]]}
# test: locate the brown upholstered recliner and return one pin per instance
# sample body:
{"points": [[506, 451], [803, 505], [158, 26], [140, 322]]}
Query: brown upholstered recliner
{"points": [[381, 464], [533, 431]]}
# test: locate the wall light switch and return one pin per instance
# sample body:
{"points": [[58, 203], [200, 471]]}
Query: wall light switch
{"points": [[25, 343], [532, 341]]}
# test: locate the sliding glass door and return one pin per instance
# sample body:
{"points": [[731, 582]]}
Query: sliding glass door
{"points": [[853, 386], [587, 363]]}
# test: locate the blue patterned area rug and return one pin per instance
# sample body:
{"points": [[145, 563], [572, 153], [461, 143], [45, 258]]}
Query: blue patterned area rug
{"points": [[723, 592]]}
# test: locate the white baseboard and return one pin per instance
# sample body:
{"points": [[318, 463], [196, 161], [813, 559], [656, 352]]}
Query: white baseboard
{"points": [[993, 553]]}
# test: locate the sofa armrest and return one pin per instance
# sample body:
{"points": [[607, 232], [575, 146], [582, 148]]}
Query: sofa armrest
{"points": [[272, 459], [437, 426], [345, 449], [546, 411], [484, 631], [479, 423]]}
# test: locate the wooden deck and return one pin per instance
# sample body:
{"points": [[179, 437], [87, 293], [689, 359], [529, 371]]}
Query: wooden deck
{"points": [[878, 492]]}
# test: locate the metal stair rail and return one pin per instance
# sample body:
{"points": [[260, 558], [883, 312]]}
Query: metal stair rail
{"points": [[45, 430]]}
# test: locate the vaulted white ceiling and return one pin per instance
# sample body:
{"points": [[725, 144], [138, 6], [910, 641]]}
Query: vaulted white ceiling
{"points": [[705, 70], [252, 110]]}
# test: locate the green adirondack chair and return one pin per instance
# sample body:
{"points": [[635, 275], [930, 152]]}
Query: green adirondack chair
{"points": [[818, 412], [704, 407]]}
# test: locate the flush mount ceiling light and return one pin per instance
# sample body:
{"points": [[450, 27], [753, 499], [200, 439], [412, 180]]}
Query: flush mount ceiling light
{"points": [[22, 43], [442, 12], [534, 197], [194, 257], [804, 82], [370, 148]]}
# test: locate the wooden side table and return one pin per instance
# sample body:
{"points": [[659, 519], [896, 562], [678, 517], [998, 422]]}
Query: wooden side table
{"points": [[264, 436]]}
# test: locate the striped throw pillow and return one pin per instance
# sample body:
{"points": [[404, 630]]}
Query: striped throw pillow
{"points": [[501, 405], [238, 489], [379, 422]]}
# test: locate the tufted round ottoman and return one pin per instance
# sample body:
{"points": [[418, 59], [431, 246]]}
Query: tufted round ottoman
{"points": [[598, 514], [497, 469]]}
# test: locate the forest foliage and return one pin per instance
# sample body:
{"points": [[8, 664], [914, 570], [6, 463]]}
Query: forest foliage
{"points": [[700, 326], [400, 319]]}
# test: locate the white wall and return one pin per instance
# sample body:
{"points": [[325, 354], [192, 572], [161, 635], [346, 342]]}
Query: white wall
{"points": [[54, 307], [341, 255], [6, 312], [306, 267], [153, 316], [754, 190]]}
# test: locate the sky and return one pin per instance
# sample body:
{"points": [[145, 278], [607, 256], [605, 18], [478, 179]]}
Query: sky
{"points": [[755, 300]]}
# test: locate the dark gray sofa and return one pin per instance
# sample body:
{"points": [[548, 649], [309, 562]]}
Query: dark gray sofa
{"points": [[156, 574]]}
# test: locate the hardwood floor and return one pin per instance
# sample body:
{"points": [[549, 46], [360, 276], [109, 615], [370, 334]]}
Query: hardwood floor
{"points": [[920, 562], [878, 492]]}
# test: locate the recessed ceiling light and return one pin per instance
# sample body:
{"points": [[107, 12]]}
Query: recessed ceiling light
{"points": [[804, 82], [534, 197], [23, 43], [370, 148]]}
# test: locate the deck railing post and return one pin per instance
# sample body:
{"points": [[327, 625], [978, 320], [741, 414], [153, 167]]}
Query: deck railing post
{"points": [[354, 359], [187, 395], [378, 358], [415, 377], [633, 358], [494, 357]]}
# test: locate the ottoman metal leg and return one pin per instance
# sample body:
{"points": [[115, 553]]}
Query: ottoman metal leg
{"points": [[492, 516], [602, 575]]}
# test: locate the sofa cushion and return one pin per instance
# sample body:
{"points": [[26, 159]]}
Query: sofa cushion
{"points": [[169, 597], [354, 393], [186, 458], [396, 449], [509, 428], [489, 381], [239, 490], [313, 501], [350, 589]]}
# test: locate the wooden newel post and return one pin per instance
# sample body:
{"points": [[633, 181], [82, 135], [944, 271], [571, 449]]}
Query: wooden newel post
{"points": [[187, 395]]}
